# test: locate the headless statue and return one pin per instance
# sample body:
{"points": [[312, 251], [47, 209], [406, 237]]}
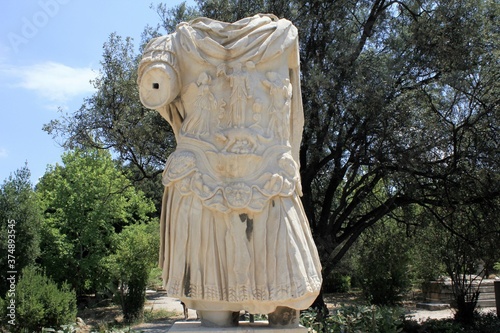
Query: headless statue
{"points": [[234, 235]]}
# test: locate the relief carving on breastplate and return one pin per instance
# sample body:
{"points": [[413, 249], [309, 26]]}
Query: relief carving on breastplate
{"points": [[238, 195], [205, 106], [185, 162], [240, 94], [280, 92], [242, 161]]}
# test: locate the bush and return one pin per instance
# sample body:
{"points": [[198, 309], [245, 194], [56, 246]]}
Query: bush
{"points": [[3, 307], [485, 323], [441, 326], [376, 319], [356, 318], [135, 256], [154, 279], [337, 283], [383, 265], [496, 267], [40, 303]]}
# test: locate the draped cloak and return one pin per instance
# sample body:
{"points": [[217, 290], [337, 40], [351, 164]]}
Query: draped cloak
{"points": [[234, 235]]}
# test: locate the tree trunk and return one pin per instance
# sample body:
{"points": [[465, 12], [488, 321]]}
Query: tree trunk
{"points": [[320, 307]]}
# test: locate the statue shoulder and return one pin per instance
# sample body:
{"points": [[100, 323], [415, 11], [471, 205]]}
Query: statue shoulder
{"points": [[162, 43]]}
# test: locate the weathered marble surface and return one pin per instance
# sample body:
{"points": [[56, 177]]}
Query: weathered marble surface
{"points": [[234, 235]]}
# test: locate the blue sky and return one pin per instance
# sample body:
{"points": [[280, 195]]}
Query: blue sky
{"points": [[49, 51]]}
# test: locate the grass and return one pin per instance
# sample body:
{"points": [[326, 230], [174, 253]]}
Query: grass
{"points": [[103, 319], [158, 315]]}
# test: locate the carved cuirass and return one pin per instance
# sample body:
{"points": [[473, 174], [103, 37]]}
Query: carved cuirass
{"points": [[235, 113]]}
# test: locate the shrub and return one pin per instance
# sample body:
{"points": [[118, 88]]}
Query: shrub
{"points": [[154, 279], [135, 256], [3, 307], [337, 283], [40, 303], [384, 265], [441, 326], [486, 323], [496, 267], [356, 318], [483, 323], [375, 319]]}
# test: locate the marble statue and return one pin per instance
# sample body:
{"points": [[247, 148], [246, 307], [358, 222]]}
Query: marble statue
{"points": [[234, 235]]}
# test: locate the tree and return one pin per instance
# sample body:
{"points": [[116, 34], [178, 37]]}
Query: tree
{"points": [[469, 245], [398, 95], [86, 201], [114, 118], [136, 254], [20, 209], [387, 106]]}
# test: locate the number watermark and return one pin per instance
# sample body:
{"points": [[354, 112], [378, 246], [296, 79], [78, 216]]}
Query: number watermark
{"points": [[11, 272]]}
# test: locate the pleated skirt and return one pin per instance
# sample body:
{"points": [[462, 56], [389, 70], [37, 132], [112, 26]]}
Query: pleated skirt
{"points": [[238, 260]]}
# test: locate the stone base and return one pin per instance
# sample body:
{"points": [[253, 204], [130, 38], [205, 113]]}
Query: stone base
{"points": [[433, 306], [243, 327]]}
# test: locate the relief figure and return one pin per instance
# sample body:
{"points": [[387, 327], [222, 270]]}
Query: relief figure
{"points": [[280, 92], [238, 82], [198, 123]]}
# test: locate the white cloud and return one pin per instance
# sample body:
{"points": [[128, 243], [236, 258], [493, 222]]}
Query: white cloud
{"points": [[54, 82], [4, 52], [3, 152]]}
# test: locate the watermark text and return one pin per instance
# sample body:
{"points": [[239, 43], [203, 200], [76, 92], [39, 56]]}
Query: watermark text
{"points": [[11, 272], [31, 25]]}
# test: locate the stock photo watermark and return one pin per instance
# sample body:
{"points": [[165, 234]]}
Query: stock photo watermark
{"points": [[31, 25], [11, 272]]}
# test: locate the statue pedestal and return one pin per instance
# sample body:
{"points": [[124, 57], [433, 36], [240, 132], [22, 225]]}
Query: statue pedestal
{"points": [[244, 327]]}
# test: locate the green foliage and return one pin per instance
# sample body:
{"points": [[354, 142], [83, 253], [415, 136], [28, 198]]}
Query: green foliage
{"points": [[156, 315], [426, 254], [86, 201], [496, 267], [383, 264], [374, 319], [376, 113], [432, 326], [73, 328], [486, 323], [41, 303], [366, 319], [483, 323], [19, 207], [336, 283], [169, 18], [136, 255], [3, 311], [115, 119], [467, 236], [234, 10], [154, 280]]}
